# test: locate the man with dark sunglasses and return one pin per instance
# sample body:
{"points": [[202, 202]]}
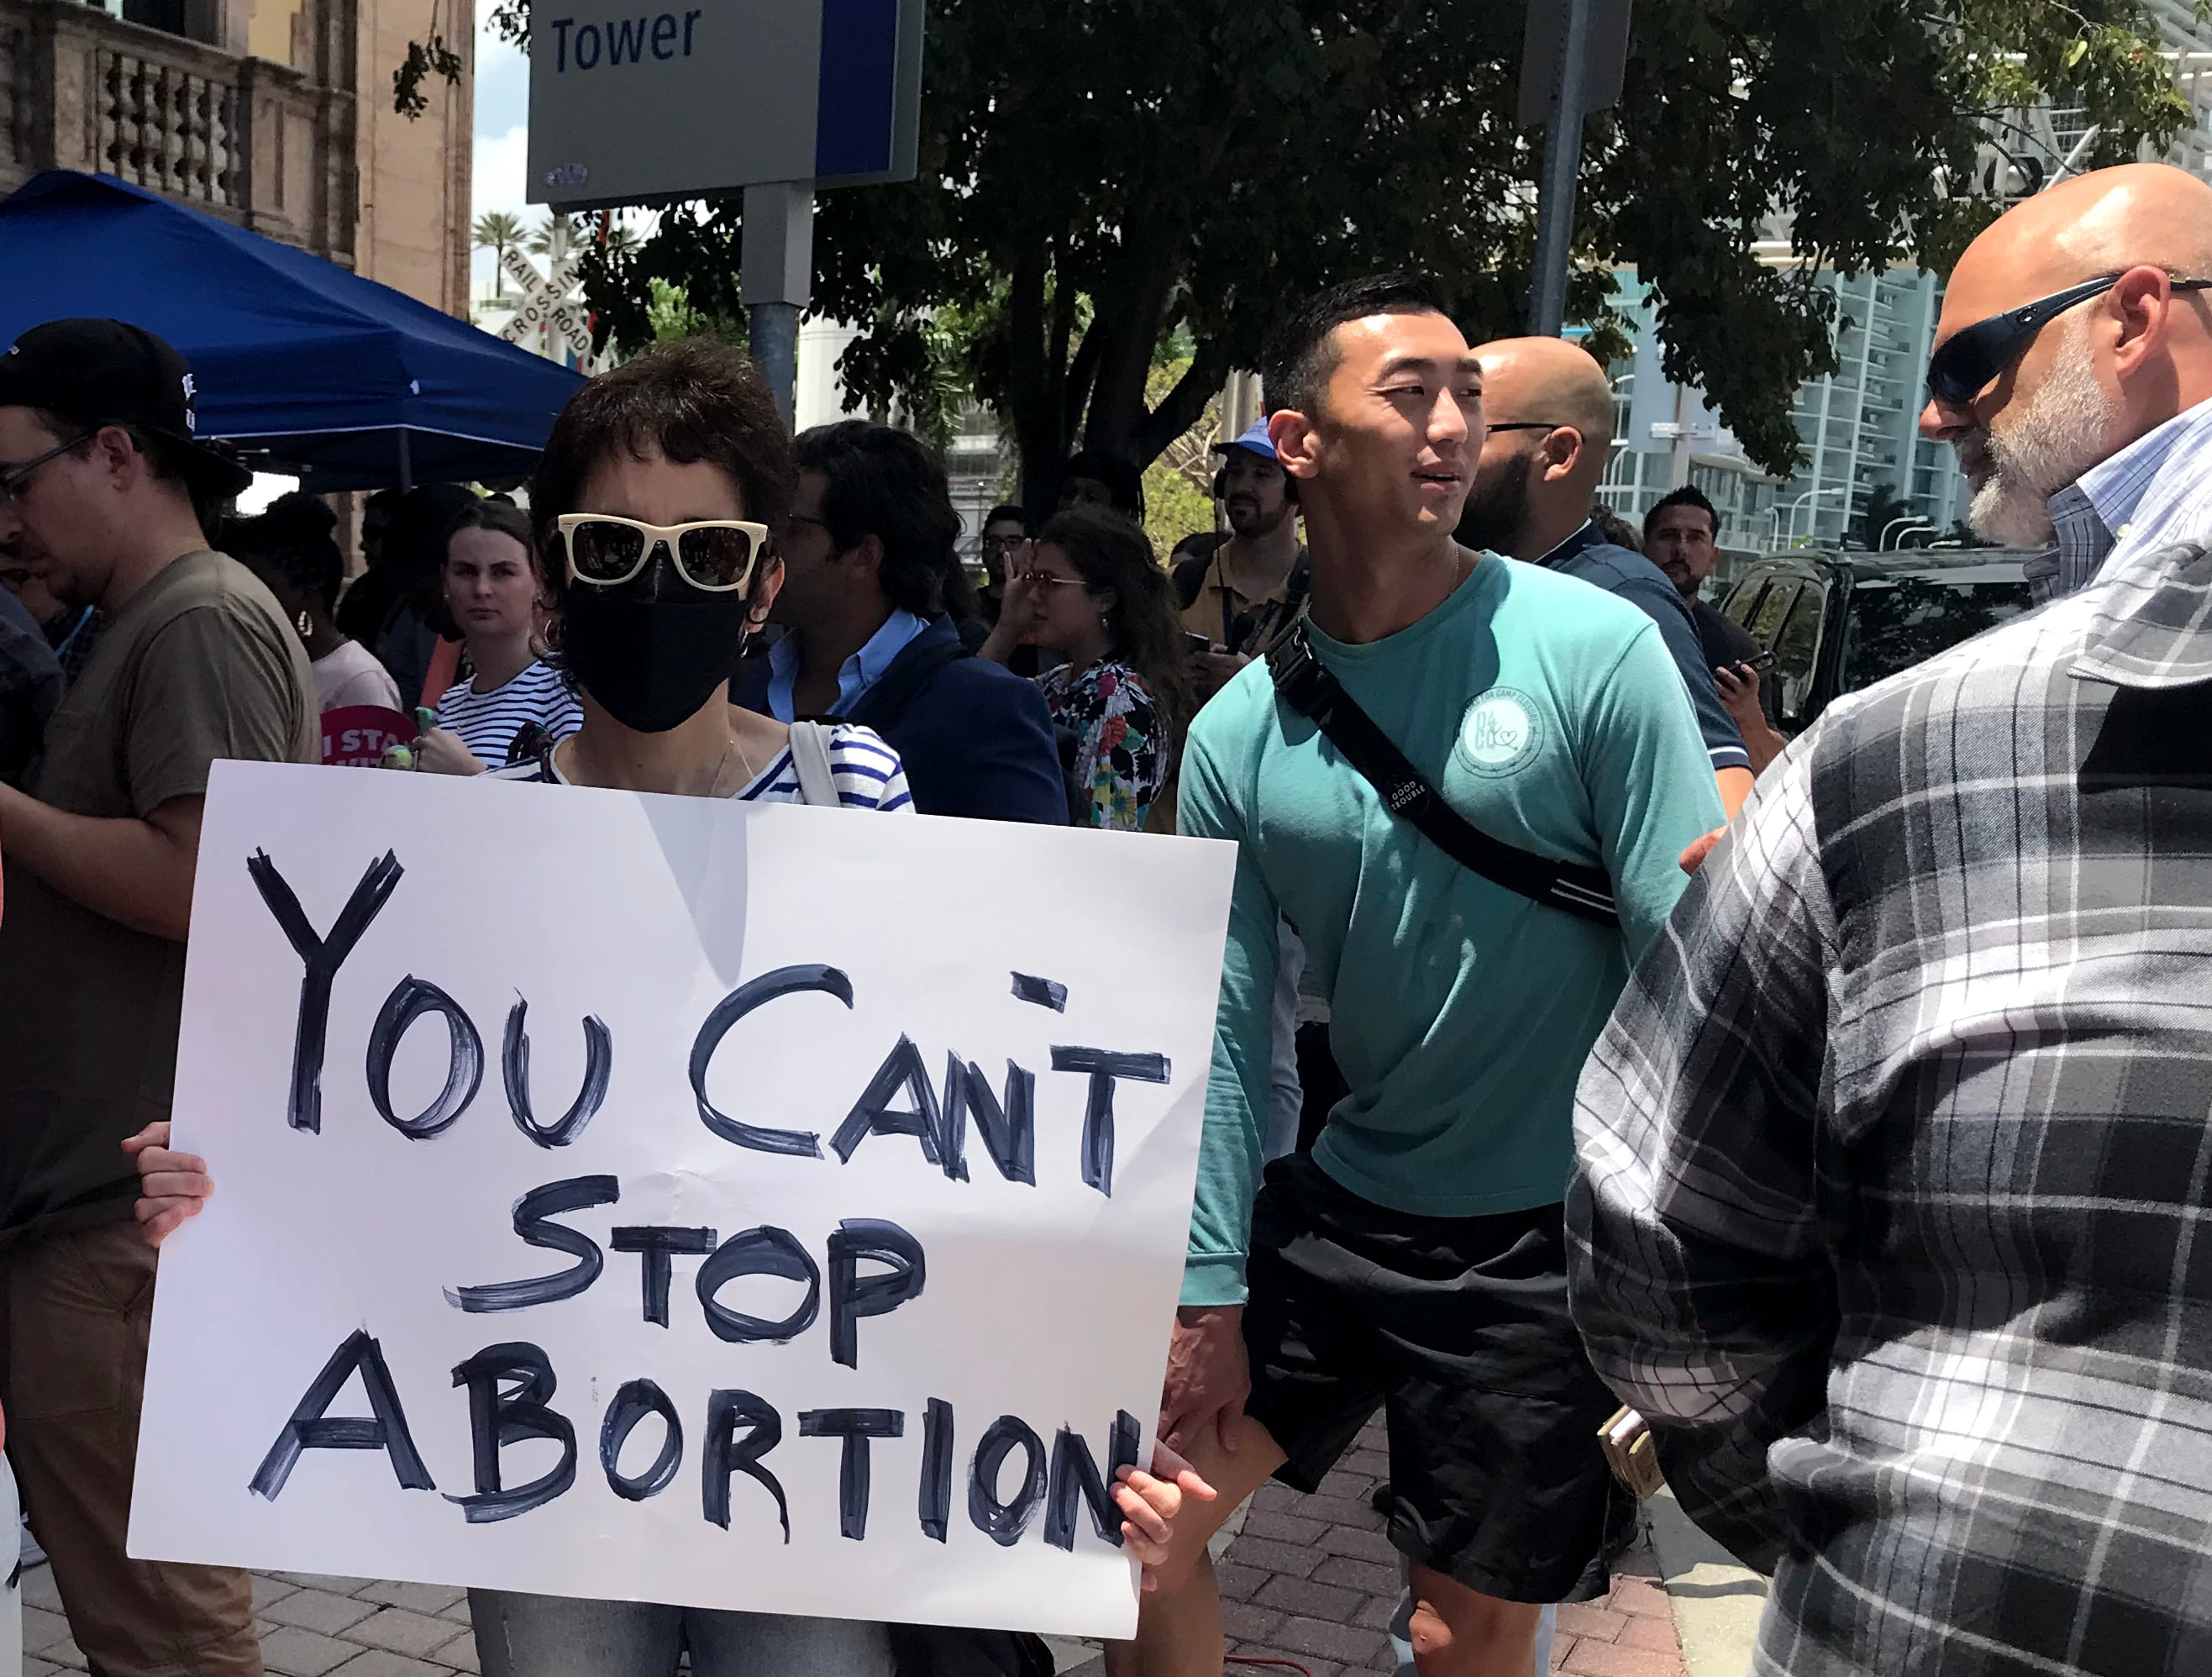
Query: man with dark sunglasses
{"points": [[1893, 1157], [2071, 366]]}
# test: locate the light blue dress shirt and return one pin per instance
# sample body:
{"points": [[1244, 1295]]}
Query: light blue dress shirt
{"points": [[2156, 492], [862, 671]]}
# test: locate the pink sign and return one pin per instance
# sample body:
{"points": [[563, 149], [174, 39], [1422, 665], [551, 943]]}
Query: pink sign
{"points": [[357, 736]]}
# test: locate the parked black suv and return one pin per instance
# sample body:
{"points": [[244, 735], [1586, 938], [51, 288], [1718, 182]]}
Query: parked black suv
{"points": [[1838, 621]]}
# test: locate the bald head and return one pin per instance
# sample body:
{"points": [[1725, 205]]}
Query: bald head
{"points": [[2106, 222], [2051, 402], [1552, 380], [1549, 407]]}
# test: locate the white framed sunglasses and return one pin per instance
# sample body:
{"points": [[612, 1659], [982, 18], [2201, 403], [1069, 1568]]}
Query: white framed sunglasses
{"points": [[715, 555]]}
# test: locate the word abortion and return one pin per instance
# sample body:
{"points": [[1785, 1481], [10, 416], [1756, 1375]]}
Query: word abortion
{"points": [[510, 1391]]}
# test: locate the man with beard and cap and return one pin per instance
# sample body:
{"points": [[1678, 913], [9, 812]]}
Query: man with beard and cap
{"points": [[1893, 1158], [103, 496], [1253, 585], [1551, 419]]}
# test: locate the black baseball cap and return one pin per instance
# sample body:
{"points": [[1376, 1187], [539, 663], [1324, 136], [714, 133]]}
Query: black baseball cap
{"points": [[110, 373]]}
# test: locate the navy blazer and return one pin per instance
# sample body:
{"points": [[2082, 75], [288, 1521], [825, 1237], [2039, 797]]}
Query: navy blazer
{"points": [[975, 739]]}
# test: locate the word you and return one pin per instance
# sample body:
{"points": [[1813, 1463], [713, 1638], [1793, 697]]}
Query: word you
{"points": [[938, 1120]]}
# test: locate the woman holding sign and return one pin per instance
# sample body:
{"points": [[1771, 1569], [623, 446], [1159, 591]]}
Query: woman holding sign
{"points": [[652, 510]]}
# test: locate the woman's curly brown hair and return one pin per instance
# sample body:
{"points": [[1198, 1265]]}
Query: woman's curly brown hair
{"points": [[693, 400], [1109, 552]]}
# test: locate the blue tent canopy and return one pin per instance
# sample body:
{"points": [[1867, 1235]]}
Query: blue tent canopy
{"points": [[304, 367]]}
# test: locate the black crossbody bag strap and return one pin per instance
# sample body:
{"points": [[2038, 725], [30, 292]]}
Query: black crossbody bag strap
{"points": [[1305, 684]]}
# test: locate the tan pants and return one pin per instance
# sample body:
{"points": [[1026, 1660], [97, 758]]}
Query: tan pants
{"points": [[75, 1311]]}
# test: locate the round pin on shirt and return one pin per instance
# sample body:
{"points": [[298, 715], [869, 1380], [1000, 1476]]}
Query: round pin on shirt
{"points": [[1501, 730]]}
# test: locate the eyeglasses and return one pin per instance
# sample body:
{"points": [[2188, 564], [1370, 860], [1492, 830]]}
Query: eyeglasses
{"points": [[13, 480], [1528, 425], [1051, 581], [1974, 357], [1002, 544], [715, 556]]}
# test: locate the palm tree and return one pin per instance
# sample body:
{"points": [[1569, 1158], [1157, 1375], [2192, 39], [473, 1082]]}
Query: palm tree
{"points": [[552, 237], [499, 233]]}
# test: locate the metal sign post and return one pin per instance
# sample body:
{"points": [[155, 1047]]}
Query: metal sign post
{"points": [[1563, 160], [776, 98], [778, 262], [1573, 59]]}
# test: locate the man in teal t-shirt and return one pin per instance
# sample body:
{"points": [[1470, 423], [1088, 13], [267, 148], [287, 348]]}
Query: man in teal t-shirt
{"points": [[1416, 1259]]}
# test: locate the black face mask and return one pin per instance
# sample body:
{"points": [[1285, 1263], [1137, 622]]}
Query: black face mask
{"points": [[653, 650]]}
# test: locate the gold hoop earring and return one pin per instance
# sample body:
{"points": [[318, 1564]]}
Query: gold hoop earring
{"points": [[304, 624]]}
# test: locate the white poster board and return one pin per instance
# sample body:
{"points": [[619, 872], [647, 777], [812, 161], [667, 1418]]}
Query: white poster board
{"points": [[895, 1255]]}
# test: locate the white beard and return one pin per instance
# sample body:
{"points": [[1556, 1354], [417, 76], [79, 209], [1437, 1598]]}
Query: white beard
{"points": [[2059, 433]]}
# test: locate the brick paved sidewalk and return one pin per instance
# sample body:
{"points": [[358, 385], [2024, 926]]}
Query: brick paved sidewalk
{"points": [[310, 1627], [1313, 1580], [1306, 1579]]}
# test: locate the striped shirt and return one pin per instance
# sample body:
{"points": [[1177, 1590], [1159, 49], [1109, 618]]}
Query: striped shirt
{"points": [[487, 722], [2155, 493], [868, 772], [1894, 1161]]}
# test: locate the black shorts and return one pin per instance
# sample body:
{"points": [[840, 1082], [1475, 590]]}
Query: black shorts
{"points": [[1458, 1327]]}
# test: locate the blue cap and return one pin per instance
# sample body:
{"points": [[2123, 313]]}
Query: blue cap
{"points": [[1254, 440]]}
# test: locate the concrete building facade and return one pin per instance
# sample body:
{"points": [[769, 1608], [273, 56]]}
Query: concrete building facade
{"points": [[1858, 427], [273, 114]]}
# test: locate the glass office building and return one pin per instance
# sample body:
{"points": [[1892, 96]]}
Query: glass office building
{"points": [[1857, 425]]}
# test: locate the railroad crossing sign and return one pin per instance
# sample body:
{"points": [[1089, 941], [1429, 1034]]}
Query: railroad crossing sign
{"points": [[548, 306]]}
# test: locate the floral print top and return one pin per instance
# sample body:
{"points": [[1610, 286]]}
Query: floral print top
{"points": [[1121, 749]]}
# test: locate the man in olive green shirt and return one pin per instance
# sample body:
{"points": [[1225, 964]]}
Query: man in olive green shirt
{"points": [[104, 497]]}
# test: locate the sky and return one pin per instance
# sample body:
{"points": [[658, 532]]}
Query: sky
{"points": [[503, 132], [502, 139]]}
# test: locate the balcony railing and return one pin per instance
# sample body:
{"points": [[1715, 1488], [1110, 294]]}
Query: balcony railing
{"points": [[168, 126], [256, 142]]}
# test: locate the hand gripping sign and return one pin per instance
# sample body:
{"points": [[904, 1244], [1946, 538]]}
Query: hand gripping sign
{"points": [[666, 1199]]}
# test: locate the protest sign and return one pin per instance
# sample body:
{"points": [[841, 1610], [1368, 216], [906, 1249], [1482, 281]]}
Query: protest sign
{"points": [[667, 1200], [358, 736]]}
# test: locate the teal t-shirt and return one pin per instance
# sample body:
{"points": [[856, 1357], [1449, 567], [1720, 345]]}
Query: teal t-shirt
{"points": [[1551, 715]]}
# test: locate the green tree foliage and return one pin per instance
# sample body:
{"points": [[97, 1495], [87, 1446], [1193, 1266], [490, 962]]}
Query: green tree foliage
{"points": [[555, 236], [1179, 484], [1099, 174], [670, 314]]}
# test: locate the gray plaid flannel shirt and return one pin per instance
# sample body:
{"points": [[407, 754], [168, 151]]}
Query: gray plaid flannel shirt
{"points": [[1893, 1209]]}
